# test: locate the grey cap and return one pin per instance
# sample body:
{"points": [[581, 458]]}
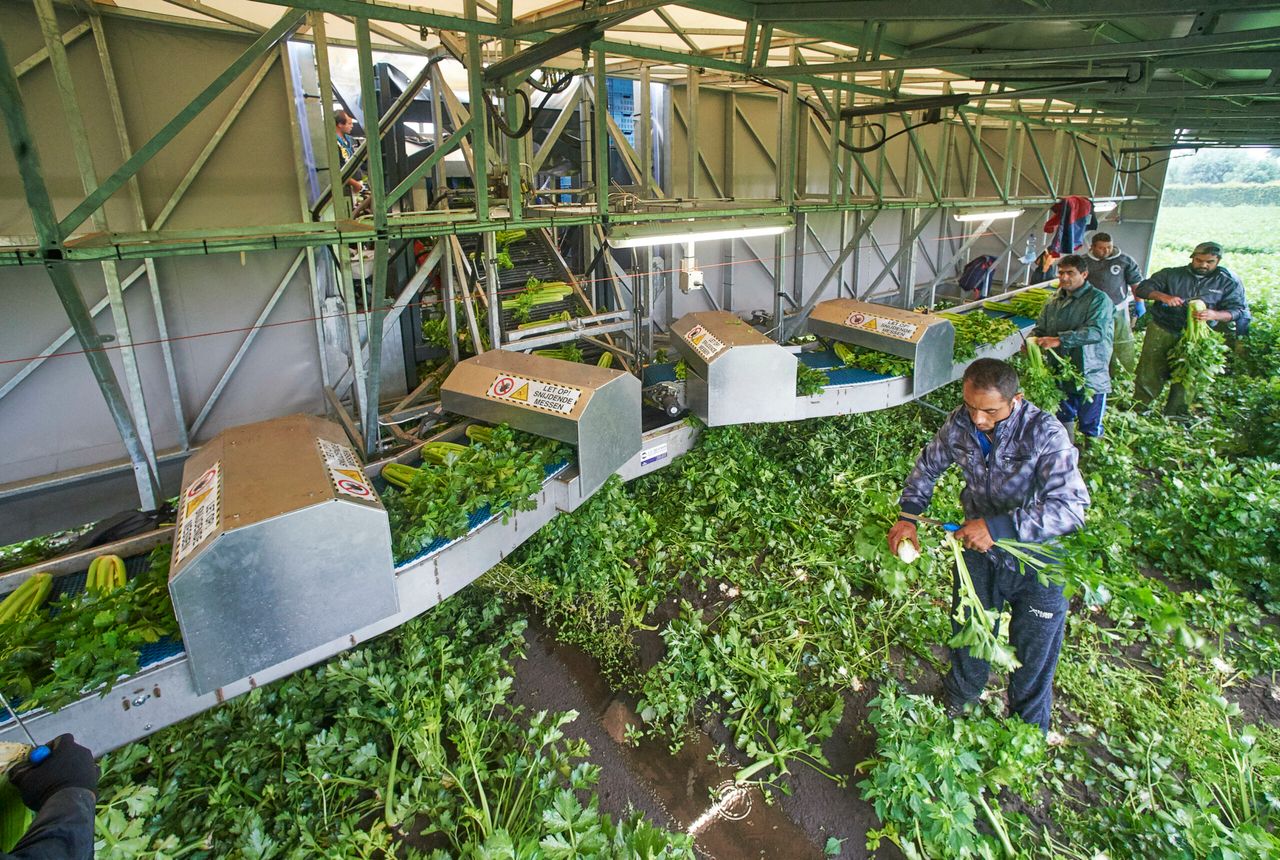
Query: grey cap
{"points": [[1208, 248]]}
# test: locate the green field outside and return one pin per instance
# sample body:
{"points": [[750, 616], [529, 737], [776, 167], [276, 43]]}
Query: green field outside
{"points": [[1249, 235]]}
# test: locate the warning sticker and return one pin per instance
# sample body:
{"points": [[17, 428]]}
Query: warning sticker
{"points": [[654, 454], [706, 344], [882, 325], [345, 471], [534, 393], [198, 511]]}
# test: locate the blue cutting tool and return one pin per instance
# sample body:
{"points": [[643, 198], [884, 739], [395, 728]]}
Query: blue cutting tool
{"points": [[39, 752]]}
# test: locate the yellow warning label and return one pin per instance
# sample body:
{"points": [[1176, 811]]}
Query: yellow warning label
{"points": [[354, 474], [534, 393], [195, 501]]}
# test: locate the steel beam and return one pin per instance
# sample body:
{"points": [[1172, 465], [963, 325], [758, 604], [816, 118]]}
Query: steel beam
{"points": [[342, 212], [133, 164], [510, 105], [58, 342], [691, 130], [702, 158], [848, 250], [600, 133], [418, 225], [397, 14], [33, 61], [216, 14], [301, 172], [45, 221], [492, 280], [429, 163], [480, 129], [558, 127], [135, 195], [215, 139], [545, 23], [378, 189], [906, 248], [988, 10], [1184, 46], [88, 179], [646, 139]]}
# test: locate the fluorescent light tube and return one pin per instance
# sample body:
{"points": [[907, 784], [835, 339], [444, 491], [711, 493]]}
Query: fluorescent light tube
{"points": [[706, 230], [988, 215]]}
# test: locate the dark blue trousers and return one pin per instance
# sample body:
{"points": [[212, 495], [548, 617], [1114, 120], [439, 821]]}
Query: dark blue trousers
{"points": [[1089, 413], [1039, 615]]}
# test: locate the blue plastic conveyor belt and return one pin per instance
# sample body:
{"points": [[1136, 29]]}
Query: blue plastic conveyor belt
{"points": [[73, 584], [825, 359]]}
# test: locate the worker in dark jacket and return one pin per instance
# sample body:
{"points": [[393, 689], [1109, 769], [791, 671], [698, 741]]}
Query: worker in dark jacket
{"points": [[1079, 323], [1116, 274], [61, 791], [1021, 482], [1166, 293]]}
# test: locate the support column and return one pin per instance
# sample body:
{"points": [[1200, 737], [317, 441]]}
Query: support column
{"points": [[480, 131], [341, 212], [646, 135], [378, 190], [89, 180], [600, 135], [691, 127], [50, 237]]}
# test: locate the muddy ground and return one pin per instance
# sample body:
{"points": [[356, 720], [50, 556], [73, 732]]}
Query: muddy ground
{"points": [[687, 791]]}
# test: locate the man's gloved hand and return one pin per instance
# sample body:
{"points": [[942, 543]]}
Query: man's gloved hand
{"points": [[69, 765]]}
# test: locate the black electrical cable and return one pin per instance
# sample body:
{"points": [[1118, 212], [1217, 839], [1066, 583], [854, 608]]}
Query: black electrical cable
{"points": [[561, 84], [525, 127], [530, 114], [872, 147], [1133, 171]]}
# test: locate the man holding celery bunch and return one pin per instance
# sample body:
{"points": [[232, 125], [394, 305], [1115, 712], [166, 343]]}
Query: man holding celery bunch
{"points": [[1166, 292], [1079, 324], [1023, 484]]}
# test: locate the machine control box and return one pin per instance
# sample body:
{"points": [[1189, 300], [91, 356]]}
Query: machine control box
{"points": [[926, 339], [736, 375], [281, 545], [595, 409]]}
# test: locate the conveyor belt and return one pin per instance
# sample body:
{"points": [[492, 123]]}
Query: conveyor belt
{"points": [[655, 373], [73, 584], [476, 521], [837, 373], [162, 692], [532, 258]]}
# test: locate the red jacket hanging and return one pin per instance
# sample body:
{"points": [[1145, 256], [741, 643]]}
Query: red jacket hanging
{"points": [[1072, 217]]}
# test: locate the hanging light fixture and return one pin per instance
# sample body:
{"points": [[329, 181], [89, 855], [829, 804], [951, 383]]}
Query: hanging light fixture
{"points": [[988, 214], [696, 230]]}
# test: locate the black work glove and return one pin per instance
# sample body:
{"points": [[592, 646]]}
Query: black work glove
{"points": [[69, 765]]}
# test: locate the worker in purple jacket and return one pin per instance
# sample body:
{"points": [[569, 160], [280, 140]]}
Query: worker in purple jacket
{"points": [[1022, 481]]}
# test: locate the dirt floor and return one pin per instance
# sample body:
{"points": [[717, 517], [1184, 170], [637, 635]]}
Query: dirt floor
{"points": [[689, 792]]}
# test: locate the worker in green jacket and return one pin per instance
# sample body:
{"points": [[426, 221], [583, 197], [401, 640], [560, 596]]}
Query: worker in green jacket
{"points": [[1166, 293], [1079, 324]]}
